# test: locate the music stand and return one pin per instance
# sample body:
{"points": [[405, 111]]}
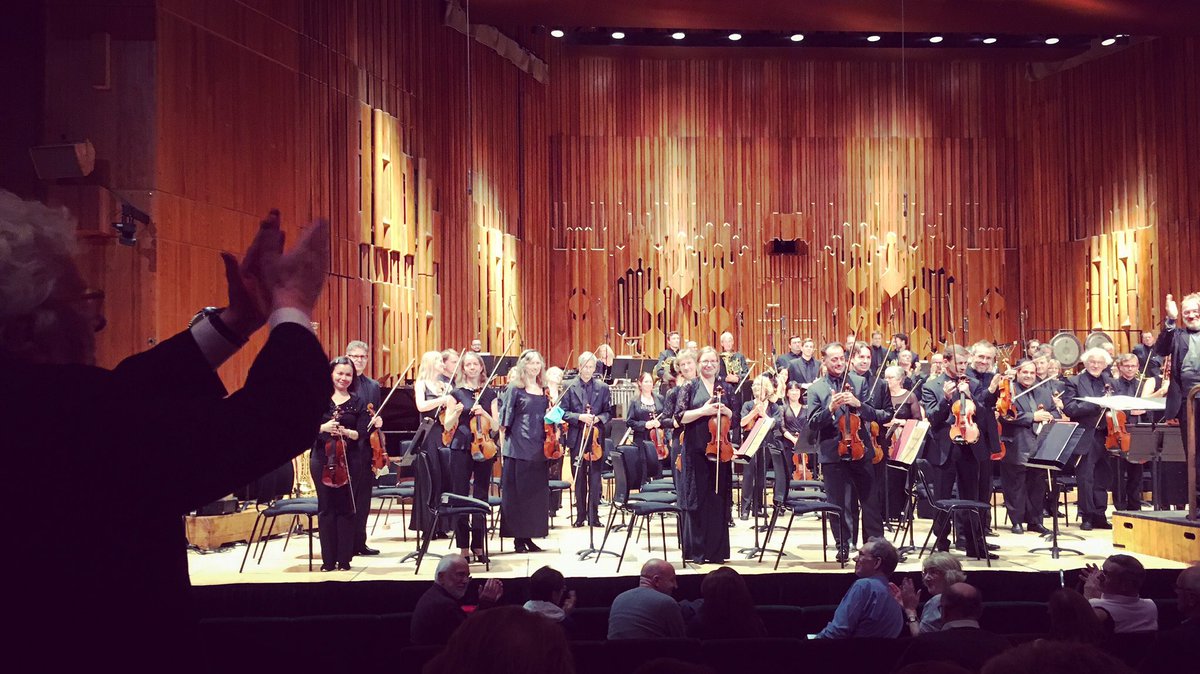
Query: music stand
{"points": [[748, 452], [506, 363], [904, 450], [1056, 445]]}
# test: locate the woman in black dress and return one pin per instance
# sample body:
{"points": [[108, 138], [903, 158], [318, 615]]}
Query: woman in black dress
{"points": [[432, 394], [754, 475], [646, 414], [604, 363], [705, 492], [471, 475], [792, 422], [683, 371], [347, 418], [524, 485]]}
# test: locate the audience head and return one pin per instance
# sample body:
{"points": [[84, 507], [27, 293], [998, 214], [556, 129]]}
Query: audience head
{"points": [[941, 570], [1072, 618], [728, 608], [453, 575], [505, 640], [1044, 656], [1123, 575], [547, 584], [876, 556], [1187, 590], [961, 601], [659, 575]]}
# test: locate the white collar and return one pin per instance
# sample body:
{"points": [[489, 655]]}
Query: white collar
{"points": [[955, 624]]}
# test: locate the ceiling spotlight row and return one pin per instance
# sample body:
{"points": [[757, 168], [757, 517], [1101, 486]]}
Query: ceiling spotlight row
{"points": [[872, 38]]}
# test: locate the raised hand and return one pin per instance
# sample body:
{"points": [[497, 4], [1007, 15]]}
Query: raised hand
{"points": [[1172, 308]]}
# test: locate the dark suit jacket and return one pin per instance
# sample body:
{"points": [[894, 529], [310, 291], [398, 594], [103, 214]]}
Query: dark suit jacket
{"points": [[803, 371], [824, 425], [938, 446], [575, 403], [1143, 352], [985, 413], [1173, 342], [1020, 431], [1086, 414], [967, 647], [152, 439], [436, 616]]}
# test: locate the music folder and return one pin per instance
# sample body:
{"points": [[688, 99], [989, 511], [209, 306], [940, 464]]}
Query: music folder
{"points": [[907, 444], [1056, 445], [754, 440], [1127, 403]]}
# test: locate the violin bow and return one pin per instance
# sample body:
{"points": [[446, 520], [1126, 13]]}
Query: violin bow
{"points": [[395, 385]]}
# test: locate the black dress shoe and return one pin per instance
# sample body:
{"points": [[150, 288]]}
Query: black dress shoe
{"points": [[577, 523], [697, 560], [986, 555], [327, 567], [990, 532], [842, 557], [596, 522], [478, 557], [343, 566], [531, 547], [1102, 523], [941, 546], [1018, 529], [1087, 525], [519, 545], [364, 550], [1039, 529]]}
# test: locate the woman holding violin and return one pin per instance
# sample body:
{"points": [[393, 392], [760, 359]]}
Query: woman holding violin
{"points": [[683, 371], [335, 457], [432, 395], [553, 448], [472, 449], [705, 486], [587, 408], [840, 419], [524, 487], [754, 475], [792, 420], [645, 419]]}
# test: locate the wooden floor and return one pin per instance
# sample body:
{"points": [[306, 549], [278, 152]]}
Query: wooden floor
{"points": [[803, 555]]}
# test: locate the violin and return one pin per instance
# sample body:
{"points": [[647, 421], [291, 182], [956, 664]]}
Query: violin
{"points": [[483, 447], [850, 445], [658, 437], [877, 433], [336, 472], [1005, 409], [379, 455], [1118, 435], [998, 456], [964, 431], [552, 447], [719, 447], [590, 447]]}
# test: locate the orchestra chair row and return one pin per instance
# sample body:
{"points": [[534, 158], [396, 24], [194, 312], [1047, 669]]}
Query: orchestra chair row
{"points": [[264, 525], [807, 500], [639, 506], [975, 512]]}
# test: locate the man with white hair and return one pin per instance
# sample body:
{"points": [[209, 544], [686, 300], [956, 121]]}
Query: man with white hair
{"points": [[586, 404], [1182, 344], [1094, 471], [439, 611]]}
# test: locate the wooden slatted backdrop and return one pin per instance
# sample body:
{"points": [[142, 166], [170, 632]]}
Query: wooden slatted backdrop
{"points": [[632, 194]]}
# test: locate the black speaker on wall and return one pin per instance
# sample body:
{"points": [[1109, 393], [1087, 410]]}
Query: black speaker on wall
{"points": [[787, 247]]}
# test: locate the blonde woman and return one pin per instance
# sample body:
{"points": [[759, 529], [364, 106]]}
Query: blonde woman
{"points": [[431, 394], [704, 487], [604, 362], [938, 572], [524, 482]]}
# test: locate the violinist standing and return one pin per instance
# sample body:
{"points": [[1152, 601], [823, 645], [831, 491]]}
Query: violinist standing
{"points": [[848, 481], [985, 386], [586, 392], [471, 475], [524, 483], [704, 493], [1094, 472], [645, 415], [954, 464], [792, 422], [552, 378], [1024, 485], [372, 394], [432, 395], [684, 372], [336, 505]]}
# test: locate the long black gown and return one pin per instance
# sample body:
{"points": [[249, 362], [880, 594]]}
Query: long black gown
{"points": [[705, 494], [524, 481], [645, 465], [468, 476], [335, 505]]}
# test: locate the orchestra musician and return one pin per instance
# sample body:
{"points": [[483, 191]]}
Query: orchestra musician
{"points": [[431, 392], [704, 487], [754, 474], [471, 475], [1025, 486], [1182, 344], [604, 363], [552, 378], [795, 350], [733, 369], [848, 481], [372, 394], [899, 346], [345, 417], [878, 351], [684, 371], [937, 362], [984, 387], [1145, 350], [662, 369], [524, 487], [792, 421], [646, 413], [586, 393], [1094, 472], [1129, 382], [954, 464], [806, 368], [905, 403]]}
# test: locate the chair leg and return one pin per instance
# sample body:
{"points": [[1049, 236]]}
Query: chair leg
{"points": [[785, 537], [250, 542], [310, 547], [291, 527], [928, 535], [262, 548], [825, 536], [426, 538], [612, 515], [770, 530], [628, 535], [662, 521]]}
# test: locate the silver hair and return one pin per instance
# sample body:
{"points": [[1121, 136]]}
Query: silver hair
{"points": [[358, 344], [446, 562], [1097, 352], [948, 564]]}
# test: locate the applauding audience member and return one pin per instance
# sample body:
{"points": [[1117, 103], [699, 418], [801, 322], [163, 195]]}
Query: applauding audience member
{"points": [[1073, 619], [438, 612], [727, 609], [1114, 590], [938, 571], [960, 640], [548, 596]]}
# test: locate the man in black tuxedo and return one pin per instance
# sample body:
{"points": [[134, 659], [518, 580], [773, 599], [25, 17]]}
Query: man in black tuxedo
{"points": [[984, 387], [587, 401], [960, 640], [372, 394], [1025, 486], [1144, 351], [1182, 344], [156, 436], [1094, 473], [955, 463], [848, 481], [806, 367]]}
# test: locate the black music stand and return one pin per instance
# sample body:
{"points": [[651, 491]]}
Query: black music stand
{"points": [[1157, 444], [586, 474], [902, 459], [1056, 446]]}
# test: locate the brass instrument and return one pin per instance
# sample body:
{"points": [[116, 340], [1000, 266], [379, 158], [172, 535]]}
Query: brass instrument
{"points": [[667, 373], [302, 484], [733, 365]]}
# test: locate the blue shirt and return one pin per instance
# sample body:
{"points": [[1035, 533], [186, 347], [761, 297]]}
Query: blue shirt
{"points": [[867, 610]]}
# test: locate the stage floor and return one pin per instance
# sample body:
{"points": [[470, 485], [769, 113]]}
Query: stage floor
{"points": [[803, 555]]}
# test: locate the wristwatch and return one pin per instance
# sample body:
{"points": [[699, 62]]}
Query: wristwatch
{"points": [[214, 319], [910, 619]]}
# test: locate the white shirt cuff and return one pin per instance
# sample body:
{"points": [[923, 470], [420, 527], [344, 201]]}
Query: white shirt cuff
{"points": [[216, 349], [289, 315]]}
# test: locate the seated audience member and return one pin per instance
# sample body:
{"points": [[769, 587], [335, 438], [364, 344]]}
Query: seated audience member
{"points": [[1054, 657], [158, 428], [1178, 649], [938, 571], [548, 596], [648, 611], [869, 609], [960, 639], [1114, 591], [726, 610], [504, 640], [1073, 619], [438, 612]]}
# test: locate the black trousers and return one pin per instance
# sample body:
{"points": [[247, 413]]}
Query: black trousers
{"points": [[961, 469], [1094, 475], [588, 479], [849, 484], [469, 477], [335, 517], [364, 480], [1129, 496], [1024, 492]]}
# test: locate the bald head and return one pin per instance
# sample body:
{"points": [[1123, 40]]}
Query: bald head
{"points": [[961, 601], [1187, 589], [659, 575]]}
